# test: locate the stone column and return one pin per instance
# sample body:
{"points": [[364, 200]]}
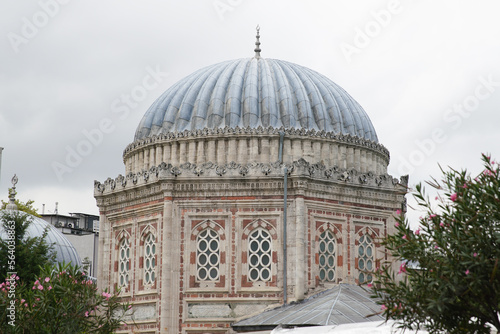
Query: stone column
{"points": [[173, 153], [350, 157], [182, 152], [232, 154], [104, 255], [265, 151], [357, 159], [242, 151], [254, 150], [166, 153], [221, 152], [191, 151], [300, 245], [200, 155], [170, 269], [152, 157], [325, 154], [211, 150]]}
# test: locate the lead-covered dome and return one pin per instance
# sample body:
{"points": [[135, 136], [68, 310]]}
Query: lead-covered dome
{"points": [[255, 92], [65, 251]]}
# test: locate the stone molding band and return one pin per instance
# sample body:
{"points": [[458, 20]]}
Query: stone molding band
{"points": [[301, 168], [339, 137]]}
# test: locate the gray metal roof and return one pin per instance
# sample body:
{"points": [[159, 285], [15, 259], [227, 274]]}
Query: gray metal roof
{"points": [[255, 92], [342, 304], [65, 251]]}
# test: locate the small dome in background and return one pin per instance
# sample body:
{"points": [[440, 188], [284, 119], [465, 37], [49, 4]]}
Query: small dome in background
{"points": [[255, 92], [65, 251]]}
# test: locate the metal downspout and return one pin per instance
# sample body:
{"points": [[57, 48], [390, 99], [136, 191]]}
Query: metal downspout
{"points": [[285, 186]]}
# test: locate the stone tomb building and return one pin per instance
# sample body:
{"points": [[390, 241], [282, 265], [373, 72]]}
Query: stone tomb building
{"points": [[194, 232]]}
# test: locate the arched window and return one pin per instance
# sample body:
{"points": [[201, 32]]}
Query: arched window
{"points": [[366, 258], [207, 255], [124, 263], [327, 255], [259, 255], [149, 259]]}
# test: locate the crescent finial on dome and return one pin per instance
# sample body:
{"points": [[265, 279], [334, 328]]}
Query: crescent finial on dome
{"points": [[257, 43]]}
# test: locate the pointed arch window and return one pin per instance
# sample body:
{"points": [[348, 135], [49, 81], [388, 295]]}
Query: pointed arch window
{"points": [[327, 254], [366, 258], [149, 259], [124, 263], [207, 255], [259, 255]]}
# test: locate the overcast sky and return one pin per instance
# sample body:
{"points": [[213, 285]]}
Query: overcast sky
{"points": [[77, 76]]}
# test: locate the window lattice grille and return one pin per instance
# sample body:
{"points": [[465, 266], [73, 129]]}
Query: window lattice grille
{"points": [[259, 256], [327, 257], [365, 258], [124, 262], [149, 259], [207, 255]]}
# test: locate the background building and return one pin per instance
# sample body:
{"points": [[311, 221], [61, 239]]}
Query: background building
{"points": [[82, 230], [250, 183]]}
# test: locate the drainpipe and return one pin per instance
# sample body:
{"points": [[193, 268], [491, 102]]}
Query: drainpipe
{"points": [[285, 186]]}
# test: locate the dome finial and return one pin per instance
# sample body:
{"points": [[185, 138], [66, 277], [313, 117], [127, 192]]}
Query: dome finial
{"points": [[12, 195], [257, 44]]}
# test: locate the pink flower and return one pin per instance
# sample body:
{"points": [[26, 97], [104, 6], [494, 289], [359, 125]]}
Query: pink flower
{"points": [[47, 279], [23, 300], [86, 313], [50, 287], [396, 224], [441, 224], [38, 299], [475, 254], [432, 216], [40, 287], [404, 237], [464, 186], [402, 268], [453, 197], [383, 307], [467, 272], [107, 295], [369, 285], [129, 307], [417, 231], [398, 212], [25, 304], [436, 247]]}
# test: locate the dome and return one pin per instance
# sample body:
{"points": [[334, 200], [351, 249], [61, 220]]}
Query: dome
{"points": [[65, 251], [255, 92]]}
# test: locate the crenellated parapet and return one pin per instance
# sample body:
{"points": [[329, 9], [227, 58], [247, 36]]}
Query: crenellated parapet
{"points": [[237, 171]]}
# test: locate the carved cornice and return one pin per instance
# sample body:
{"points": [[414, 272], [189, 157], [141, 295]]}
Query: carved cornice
{"points": [[235, 171], [259, 131]]}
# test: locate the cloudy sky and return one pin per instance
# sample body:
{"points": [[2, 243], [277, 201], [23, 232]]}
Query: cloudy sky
{"points": [[77, 76]]}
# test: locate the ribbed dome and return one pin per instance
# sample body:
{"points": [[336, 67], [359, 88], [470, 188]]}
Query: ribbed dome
{"points": [[65, 251], [256, 92]]}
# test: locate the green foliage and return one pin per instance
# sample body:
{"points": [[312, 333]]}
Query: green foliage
{"points": [[62, 300], [28, 253], [24, 207], [449, 280]]}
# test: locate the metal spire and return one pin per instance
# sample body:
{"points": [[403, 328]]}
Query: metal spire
{"points": [[257, 44], [12, 195]]}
